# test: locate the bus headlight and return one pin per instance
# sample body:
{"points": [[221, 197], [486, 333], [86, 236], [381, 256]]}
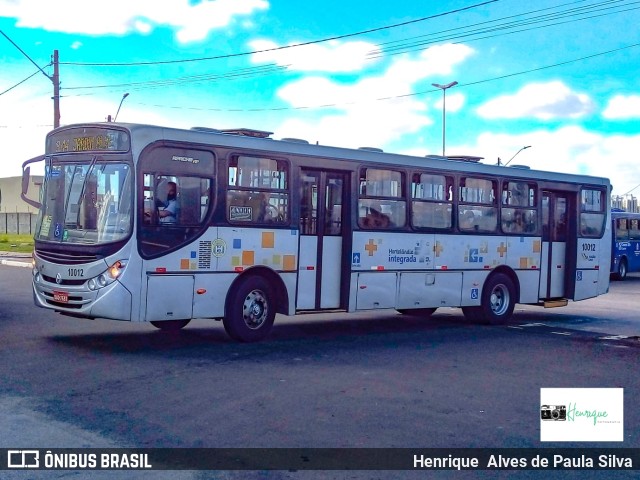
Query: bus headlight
{"points": [[108, 277], [34, 268]]}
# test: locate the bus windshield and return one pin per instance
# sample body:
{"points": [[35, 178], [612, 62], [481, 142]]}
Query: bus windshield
{"points": [[86, 201]]}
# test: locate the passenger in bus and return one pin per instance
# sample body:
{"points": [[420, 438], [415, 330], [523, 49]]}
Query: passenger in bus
{"points": [[468, 221], [376, 219], [167, 210]]}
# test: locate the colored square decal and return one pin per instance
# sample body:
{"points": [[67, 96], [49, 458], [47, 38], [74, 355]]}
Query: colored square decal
{"points": [[237, 243], [289, 262], [248, 257], [268, 240], [193, 254], [184, 264], [537, 246], [277, 259], [235, 261], [524, 262]]}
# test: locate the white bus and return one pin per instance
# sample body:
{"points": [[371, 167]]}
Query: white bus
{"points": [[265, 226]]}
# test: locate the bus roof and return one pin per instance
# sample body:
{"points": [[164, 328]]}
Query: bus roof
{"points": [[259, 140]]}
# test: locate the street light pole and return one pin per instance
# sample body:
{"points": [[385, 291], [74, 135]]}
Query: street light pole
{"points": [[444, 100], [123, 97], [514, 156]]}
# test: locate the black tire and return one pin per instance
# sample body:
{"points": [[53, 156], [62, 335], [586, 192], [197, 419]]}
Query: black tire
{"points": [[171, 325], [621, 274], [251, 310], [417, 312], [498, 299]]}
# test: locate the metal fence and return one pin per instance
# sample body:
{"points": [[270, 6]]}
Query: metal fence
{"points": [[21, 223]]}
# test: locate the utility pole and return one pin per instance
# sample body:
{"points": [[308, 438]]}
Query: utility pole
{"points": [[56, 90]]}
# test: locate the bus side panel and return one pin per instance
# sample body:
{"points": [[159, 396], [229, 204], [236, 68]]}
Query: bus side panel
{"points": [[472, 283], [376, 290], [429, 290], [633, 255], [606, 249], [307, 273], [529, 281], [210, 304], [590, 260], [169, 297]]}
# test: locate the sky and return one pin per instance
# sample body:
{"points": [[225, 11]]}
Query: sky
{"points": [[561, 77]]}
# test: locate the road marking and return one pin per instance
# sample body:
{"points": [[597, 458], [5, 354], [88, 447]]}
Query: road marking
{"points": [[13, 263]]}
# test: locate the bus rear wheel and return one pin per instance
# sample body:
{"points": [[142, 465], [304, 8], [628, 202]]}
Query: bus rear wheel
{"points": [[250, 311], [497, 302], [171, 325]]}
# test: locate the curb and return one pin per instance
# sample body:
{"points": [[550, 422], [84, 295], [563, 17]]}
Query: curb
{"points": [[14, 263]]}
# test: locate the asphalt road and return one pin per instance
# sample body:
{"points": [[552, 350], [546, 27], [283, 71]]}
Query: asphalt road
{"points": [[365, 380]]}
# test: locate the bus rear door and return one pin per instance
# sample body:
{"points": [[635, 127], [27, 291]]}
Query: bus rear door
{"points": [[555, 207]]}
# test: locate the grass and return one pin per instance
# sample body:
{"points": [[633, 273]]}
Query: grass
{"points": [[11, 242]]}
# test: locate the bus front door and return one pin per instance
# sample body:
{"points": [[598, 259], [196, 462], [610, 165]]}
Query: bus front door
{"points": [[555, 207], [323, 201]]}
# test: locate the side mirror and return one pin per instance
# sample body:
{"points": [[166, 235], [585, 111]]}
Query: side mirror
{"points": [[26, 177]]}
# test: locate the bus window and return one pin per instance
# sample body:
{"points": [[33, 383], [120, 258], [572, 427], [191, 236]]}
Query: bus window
{"points": [[381, 204], [477, 211], [258, 190], [431, 205], [592, 213], [622, 232], [515, 217], [175, 200], [634, 230]]}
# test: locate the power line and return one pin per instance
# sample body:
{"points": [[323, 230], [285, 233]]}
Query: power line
{"points": [[205, 77], [22, 81], [421, 45], [632, 190], [312, 42], [460, 85], [25, 54], [413, 44]]}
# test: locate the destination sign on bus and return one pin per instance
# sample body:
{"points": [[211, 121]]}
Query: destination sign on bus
{"points": [[88, 140]]}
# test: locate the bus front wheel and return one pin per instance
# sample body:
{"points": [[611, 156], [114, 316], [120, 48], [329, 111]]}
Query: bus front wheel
{"points": [[250, 311], [621, 274], [170, 325]]}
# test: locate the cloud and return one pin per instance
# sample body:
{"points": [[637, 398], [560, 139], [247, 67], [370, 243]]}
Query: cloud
{"points": [[192, 21], [332, 56], [623, 107], [569, 149], [370, 125], [544, 101], [356, 118], [454, 102]]}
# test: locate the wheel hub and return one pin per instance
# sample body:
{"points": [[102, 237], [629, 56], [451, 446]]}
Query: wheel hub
{"points": [[255, 309]]}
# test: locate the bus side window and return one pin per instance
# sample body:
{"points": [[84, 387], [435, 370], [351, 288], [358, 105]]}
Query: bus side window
{"points": [[381, 204], [622, 233]]}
